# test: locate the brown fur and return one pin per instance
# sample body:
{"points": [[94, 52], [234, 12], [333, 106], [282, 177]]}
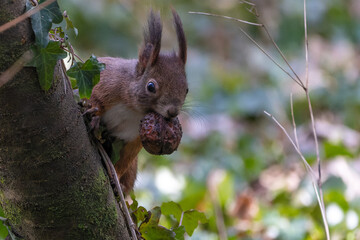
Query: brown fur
{"points": [[125, 82]]}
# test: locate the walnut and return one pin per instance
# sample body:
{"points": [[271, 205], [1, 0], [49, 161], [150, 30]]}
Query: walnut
{"points": [[159, 135]]}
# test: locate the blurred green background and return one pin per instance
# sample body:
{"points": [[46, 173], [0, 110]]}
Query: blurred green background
{"points": [[234, 163]]}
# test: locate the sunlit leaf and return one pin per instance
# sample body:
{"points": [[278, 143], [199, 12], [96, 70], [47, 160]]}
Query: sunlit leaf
{"points": [[87, 75], [140, 214], [191, 220], [180, 232], [172, 208], [150, 230], [333, 150], [45, 60], [134, 204]]}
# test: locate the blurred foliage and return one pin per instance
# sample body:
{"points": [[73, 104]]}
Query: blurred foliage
{"points": [[234, 164]]}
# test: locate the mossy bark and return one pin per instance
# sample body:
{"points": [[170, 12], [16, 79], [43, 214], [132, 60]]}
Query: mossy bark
{"points": [[52, 182]]}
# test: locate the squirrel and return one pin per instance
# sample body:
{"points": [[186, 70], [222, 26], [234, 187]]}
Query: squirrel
{"points": [[130, 88]]}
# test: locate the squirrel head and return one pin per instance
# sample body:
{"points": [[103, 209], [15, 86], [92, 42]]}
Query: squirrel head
{"points": [[161, 86]]}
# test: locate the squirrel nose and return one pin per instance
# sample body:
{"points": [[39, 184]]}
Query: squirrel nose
{"points": [[172, 112]]}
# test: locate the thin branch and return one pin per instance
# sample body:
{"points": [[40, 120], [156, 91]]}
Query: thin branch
{"points": [[268, 55], [306, 49], [308, 167], [315, 179], [293, 121], [284, 58], [297, 79], [181, 218], [316, 186], [319, 183], [71, 53], [112, 174], [24, 16], [254, 11], [226, 17]]}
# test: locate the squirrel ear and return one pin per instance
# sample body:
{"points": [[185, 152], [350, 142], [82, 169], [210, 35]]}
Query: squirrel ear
{"points": [[152, 34], [145, 54], [180, 36], [149, 53]]}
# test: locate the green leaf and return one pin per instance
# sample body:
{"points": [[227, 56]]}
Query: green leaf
{"points": [[140, 214], [87, 75], [172, 208], [42, 20], [191, 220], [134, 205], [7, 225], [45, 60], [150, 230], [69, 24], [155, 216], [180, 232], [333, 150]]}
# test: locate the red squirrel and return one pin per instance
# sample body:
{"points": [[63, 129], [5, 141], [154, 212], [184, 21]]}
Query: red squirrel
{"points": [[130, 88]]}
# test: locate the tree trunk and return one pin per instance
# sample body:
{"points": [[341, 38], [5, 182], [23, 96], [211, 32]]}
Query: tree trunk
{"points": [[52, 182]]}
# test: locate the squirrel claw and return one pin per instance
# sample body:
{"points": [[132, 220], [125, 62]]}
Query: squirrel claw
{"points": [[91, 111], [95, 124]]}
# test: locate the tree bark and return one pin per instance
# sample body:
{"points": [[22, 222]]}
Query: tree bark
{"points": [[52, 182]]}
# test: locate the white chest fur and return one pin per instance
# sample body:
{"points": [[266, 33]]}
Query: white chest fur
{"points": [[123, 122]]}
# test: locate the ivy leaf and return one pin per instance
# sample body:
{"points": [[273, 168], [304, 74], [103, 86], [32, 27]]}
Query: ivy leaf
{"points": [[139, 215], [333, 150], [69, 24], [42, 20], [191, 220], [87, 75], [172, 208], [134, 204], [45, 60], [150, 230], [180, 232]]}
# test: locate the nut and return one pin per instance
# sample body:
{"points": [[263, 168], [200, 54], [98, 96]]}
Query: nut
{"points": [[159, 135]]}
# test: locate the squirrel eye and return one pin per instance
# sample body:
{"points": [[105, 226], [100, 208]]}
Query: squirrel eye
{"points": [[151, 87]]}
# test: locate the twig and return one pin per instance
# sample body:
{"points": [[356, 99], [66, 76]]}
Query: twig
{"points": [[113, 176], [308, 167], [72, 53], [22, 17], [319, 183], [268, 55], [316, 181], [317, 188], [226, 17], [293, 121], [306, 49], [181, 218], [284, 58], [254, 11], [296, 79]]}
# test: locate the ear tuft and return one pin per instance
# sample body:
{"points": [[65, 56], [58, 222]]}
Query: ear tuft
{"points": [[152, 35], [180, 36]]}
